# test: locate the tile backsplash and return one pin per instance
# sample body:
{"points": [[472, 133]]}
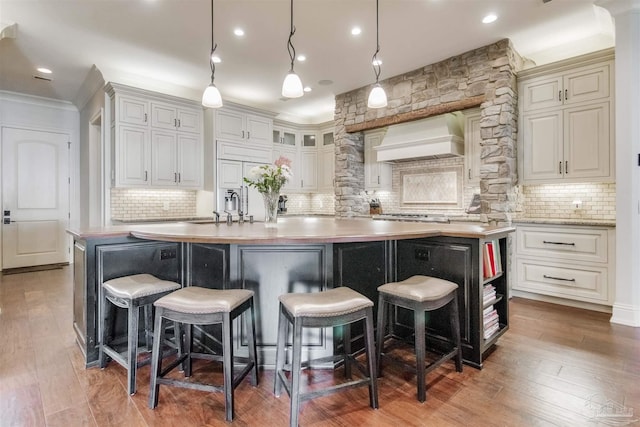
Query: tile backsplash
{"points": [[134, 203], [316, 203], [598, 201]]}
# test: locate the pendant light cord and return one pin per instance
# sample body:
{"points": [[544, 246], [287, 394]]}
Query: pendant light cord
{"points": [[213, 47], [290, 48], [374, 59]]}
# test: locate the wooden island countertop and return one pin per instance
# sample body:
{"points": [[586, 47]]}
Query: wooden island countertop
{"points": [[294, 230]]}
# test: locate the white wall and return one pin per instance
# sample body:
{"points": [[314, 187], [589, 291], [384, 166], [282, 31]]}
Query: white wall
{"points": [[35, 113]]}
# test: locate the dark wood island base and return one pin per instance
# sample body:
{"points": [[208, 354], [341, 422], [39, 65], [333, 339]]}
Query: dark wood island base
{"points": [[300, 255]]}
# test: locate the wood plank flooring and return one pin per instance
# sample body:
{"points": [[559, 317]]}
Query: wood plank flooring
{"points": [[556, 366]]}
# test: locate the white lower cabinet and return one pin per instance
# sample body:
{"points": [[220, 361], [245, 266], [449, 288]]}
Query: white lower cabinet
{"points": [[569, 262]]}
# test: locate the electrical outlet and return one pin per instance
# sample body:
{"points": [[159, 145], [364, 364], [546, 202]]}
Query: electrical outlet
{"points": [[165, 206], [422, 254], [168, 253]]}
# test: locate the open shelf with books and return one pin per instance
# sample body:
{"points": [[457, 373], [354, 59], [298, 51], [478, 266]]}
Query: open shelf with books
{"points": [[495, 311]]}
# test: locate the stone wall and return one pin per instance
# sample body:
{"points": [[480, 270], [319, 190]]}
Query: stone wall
{"points": [[489, 71]]}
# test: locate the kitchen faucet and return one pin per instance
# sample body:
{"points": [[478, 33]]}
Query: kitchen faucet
{"points": [[217, 217]]}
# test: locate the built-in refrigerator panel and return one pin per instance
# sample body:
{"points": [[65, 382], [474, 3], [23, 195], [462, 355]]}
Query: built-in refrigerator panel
{"points": [[230, 181]]}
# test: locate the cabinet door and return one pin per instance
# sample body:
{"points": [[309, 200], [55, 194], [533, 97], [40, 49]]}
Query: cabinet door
{"points": [[542, 143], [377, 175], [229, 125], [163, 153], [472, 148], [586, 84], [309, 170], [542, 93], [229, 174], [258, 129], [163, 117], [133, 111], [309, 140], [189, 161], [189, 120], [326, 169], [327, 138], [587, 142], [133, 156]]}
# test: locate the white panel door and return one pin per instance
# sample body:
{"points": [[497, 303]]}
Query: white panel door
{"points": [[35, 189], [163, 153], [189, 161], [543, 147], [254, 201], [586, 136]]}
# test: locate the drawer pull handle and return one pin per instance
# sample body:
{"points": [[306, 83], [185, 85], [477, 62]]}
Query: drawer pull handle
{"points": [[558, 278], [558, 243]]}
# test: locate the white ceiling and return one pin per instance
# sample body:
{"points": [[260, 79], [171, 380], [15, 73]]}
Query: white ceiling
{"points": [[164, 44]]}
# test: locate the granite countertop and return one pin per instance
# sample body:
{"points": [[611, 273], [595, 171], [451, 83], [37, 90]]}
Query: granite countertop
{"points": [[566, 221], [294, 230]]}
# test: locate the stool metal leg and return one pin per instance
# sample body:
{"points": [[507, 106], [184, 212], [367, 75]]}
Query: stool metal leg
{"points": [[156, 360], [253, 353], [132, 357], [455, 331], [346, 343], [295, 372], [371, 359], [148, 322], [188, 341], [382, 320], [280, 351], [102, 359], [420, 353], [227, 364]]}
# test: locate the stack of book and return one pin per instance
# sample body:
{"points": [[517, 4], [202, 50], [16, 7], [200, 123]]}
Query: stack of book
{"points": [[492, 261], [491, 321], [488, 294]]}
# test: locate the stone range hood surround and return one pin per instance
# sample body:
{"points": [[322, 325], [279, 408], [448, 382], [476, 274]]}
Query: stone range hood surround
{"points": [[435, 137]]}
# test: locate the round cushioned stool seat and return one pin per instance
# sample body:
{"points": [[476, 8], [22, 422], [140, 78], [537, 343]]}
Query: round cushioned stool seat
{"points": [[333, 302], [419, 288], [138, 286], [197, 300]]}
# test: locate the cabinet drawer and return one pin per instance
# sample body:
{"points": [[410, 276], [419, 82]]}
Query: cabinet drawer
{"points": [[563, 243], [244, 152], [562, 280]]}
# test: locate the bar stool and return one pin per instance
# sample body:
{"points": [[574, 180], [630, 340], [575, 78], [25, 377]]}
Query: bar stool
{"points": [[130, 292], [420, 294], [334, 307], [201, 306]]}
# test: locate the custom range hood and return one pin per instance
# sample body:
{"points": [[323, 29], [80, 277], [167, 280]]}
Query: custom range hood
{"points": [[435, 137]]}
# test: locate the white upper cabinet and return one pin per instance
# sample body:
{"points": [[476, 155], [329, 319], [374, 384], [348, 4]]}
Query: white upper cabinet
{"points": [[377, 175], [583, 84], [284, 136], [157, 139], [308, 170], [164, 116], [565, 126], [239, 126]]}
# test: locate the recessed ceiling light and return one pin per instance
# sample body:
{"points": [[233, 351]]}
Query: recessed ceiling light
{"points": [[238, 32], [216, 59], [302, 58], [44, 70], [356, 31], [376, 62], [307, 89], [489, 18]]}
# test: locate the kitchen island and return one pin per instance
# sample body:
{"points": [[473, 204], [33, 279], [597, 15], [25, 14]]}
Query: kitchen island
{"points": [[301, 254]]}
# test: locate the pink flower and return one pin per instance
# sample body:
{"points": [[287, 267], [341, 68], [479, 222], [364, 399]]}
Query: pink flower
{"points": [[282, 161]]}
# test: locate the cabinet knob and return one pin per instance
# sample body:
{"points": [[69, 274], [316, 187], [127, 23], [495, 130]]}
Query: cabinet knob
{"points": [[242, 134]]}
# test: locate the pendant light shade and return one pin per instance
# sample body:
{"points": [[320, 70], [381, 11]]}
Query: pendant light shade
{"points": [[377, 97], [211, 97], [292, 85]]}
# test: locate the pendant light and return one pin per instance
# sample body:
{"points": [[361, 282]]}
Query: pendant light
{"points": [[292, 85], [211, 97], [377, 96]]}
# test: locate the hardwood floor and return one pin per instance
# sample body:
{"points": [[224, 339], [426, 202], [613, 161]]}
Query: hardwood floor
{"points": [[555, 366]]}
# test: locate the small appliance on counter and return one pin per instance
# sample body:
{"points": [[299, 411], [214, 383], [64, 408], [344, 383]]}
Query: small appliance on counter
{"points": [[282, 203], [374, 207]]}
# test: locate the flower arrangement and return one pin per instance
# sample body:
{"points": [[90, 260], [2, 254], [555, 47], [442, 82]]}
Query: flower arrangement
{"points": [[270, 178]]}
